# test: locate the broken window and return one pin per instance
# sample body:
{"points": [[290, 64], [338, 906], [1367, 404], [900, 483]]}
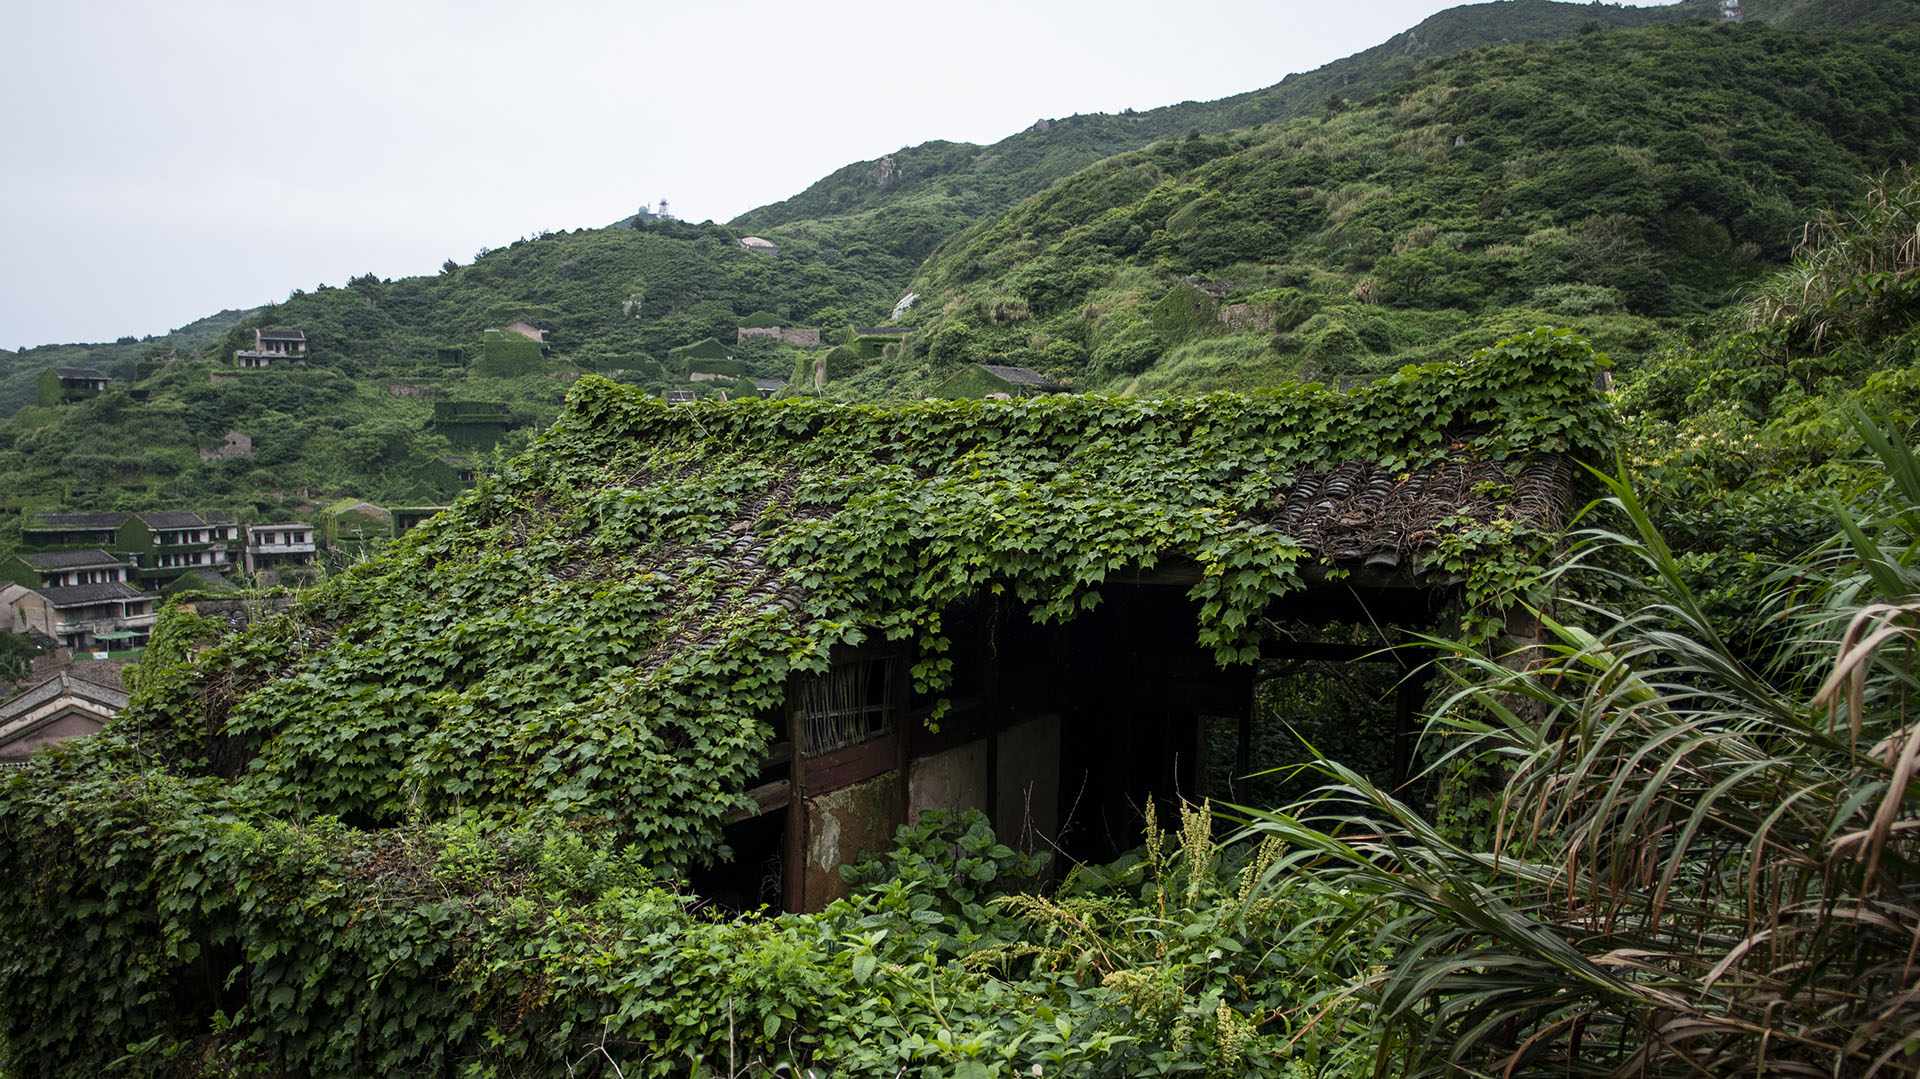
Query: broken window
{"points": [[852, 703]]}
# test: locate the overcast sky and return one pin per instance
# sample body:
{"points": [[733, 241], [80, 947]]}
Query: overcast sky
{"points": [[162, 161]]}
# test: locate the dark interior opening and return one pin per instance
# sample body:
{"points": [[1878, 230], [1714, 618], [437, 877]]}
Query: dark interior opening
{"points": [[753, 877], [1347, 711]]}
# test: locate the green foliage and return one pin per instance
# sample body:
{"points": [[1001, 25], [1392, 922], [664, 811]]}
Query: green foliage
{"points": [[16, 656], [505, 355], [1737, 830], [1576, 179], [975, 382], [223, 947], [720, 367], [1183, 313], [1735, 441], [1168, 961], [382, 805], [706, 348]]}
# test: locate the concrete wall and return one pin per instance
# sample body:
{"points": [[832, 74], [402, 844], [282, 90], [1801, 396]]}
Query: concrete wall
{"points": [[841, 825], [955, 779], [1026, 813], [72, 724], [1026, 809]]}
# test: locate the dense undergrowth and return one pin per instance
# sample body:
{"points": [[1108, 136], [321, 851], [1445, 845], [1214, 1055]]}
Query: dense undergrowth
{"points": [[585, 645]]}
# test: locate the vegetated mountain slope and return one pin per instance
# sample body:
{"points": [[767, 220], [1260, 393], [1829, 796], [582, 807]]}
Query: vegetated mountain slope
{"points": [[907, 201], [1835, 16], [606, 298], [19, 371], [1609, 182], [356, 420]]}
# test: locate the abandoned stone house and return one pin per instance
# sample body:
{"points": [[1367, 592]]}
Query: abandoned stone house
{"points": [[273, 348], [788, 627], [74, 699], [86, 617], [270, 546], [159, 545], [1061, 732], [67, 385], [1060, 718]]}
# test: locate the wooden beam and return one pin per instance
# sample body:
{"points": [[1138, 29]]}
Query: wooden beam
{"points": [[767, 797]]}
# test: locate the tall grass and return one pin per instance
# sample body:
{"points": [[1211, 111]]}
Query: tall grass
{"points": [[1705, 861]]}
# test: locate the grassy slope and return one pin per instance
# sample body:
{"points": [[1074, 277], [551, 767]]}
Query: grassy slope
{"points": [[20, 370], [911, 199], [1616, 181]]}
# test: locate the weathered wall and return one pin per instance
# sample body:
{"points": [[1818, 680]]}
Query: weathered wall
{"points": [[1245, 317], [72, 725], [236, 444], [955, 779], [1026, 813], [841, 824]]}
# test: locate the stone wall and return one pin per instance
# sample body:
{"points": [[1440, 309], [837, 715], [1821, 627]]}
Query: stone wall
{"points": [[803, 336], [237, 444], [1245, 317]]}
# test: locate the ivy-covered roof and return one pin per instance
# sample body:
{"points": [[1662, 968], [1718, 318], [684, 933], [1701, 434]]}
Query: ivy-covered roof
{"points": [[593, 633]]}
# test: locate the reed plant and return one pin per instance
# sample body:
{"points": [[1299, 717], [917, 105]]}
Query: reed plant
{"points": [[1703, 859]]}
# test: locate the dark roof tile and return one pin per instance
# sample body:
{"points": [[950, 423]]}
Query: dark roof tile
{"points": [[79, 520], [71, 559], [82, 594]]}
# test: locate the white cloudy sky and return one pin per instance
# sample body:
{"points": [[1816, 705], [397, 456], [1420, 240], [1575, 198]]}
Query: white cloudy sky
{"points": [[162, 161]]}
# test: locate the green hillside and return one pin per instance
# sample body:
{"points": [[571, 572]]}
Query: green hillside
{"points": [[1835, 16], [356, 420], [19, 370], [1616, 182], [908, 201]]}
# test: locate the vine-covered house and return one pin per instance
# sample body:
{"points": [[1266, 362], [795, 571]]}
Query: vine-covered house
{"points": [[737, 644], [778, 630]]}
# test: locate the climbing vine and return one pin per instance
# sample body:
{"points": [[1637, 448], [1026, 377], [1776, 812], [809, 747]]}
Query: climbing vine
{"points": [[345, 795]]}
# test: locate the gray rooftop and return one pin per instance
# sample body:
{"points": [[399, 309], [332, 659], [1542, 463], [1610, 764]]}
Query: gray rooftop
{"points": [[81, 595], [71, 560], [79, 520], [58, 684], [174, 519]]}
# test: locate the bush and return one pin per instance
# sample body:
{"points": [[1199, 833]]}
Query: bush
{"points": [[1702, 862]]}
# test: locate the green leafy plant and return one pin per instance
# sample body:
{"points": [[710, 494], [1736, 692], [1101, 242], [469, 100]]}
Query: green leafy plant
{"points": [[1702, 862]]}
